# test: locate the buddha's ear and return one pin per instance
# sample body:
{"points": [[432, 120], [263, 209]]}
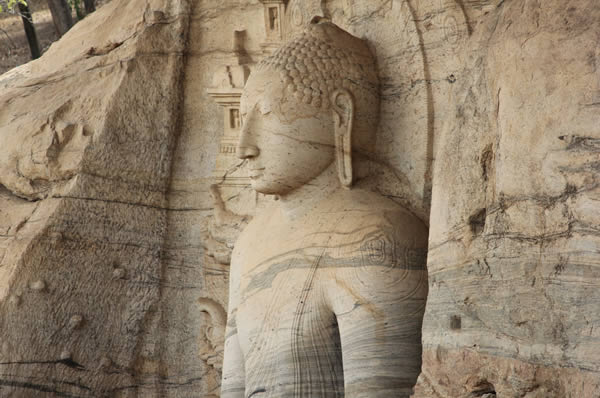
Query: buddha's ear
{"points": [[343, 116]]}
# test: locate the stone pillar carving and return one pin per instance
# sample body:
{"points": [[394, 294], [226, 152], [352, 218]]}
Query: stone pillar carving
{"points": [[229, 179], [228, 83]]}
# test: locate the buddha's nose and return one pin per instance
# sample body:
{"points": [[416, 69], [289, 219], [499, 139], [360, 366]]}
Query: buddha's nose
{"points": [[246, 148]]}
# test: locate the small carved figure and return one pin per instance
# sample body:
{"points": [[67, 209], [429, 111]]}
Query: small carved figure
{"points": [[273, 19], [328, 284], [235, 119], [211, 347], [223, 229]]}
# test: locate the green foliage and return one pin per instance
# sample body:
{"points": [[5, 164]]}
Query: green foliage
{"points": [[76, 5], [10, 5]]}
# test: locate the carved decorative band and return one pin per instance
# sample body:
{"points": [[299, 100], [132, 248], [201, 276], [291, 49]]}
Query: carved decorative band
{"points": [[229, 149]]}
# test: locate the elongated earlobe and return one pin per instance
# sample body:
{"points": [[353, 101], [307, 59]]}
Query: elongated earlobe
{"points": [[343, 115]]}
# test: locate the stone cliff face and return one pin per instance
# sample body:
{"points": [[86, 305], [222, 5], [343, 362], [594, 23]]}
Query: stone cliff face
{"points": [[489, 132], [514, 239], [87, 134]]}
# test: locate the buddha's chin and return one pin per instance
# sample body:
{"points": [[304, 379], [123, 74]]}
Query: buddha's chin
{"points": [[267, 187], [260, 187]]}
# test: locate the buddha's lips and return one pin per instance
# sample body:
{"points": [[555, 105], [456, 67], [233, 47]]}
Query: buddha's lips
{"points": [[255, 173]]}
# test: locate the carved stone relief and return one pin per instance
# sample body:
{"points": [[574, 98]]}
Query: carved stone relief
{"points": [[119, 206], [212, 339], [229, 178], [372, 174], [275, 26], [442, 99], [327, 284], [47, 156]]}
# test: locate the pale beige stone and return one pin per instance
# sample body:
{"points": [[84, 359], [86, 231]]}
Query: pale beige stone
{"points": [[86, 136], [490, 104], [513, 246], [212, 340], [328, 284]]}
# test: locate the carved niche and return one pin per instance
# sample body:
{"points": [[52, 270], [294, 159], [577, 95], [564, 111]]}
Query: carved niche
{"points": [[228, 82], [275, 28], [229, 179]]}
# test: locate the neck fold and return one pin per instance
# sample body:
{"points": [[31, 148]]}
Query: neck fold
{"points": [[300, 201]]}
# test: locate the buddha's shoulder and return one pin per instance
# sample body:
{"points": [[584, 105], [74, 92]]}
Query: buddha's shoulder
{"points": [[364, 213], [361, 201], [345, 216]]}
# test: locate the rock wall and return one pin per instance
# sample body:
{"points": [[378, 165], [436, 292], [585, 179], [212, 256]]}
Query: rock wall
{"points": [[87, 135], [114, 247], [514, 239]]}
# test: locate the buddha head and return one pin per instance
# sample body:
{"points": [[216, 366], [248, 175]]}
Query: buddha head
{"points": [[314, 102]]}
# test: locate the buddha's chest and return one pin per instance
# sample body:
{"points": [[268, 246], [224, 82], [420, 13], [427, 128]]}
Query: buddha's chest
{"points": [[285, 274], [277, 287], [285, 324], [281, 280], [277, 262]]}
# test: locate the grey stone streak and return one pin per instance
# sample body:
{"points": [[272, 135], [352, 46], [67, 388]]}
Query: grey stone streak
{"points": [[513, 262], [369, 253], [305, 313]]}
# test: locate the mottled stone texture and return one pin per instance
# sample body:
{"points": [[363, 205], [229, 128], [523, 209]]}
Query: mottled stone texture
{"points": [[107, 149], [87, 134], [514, 250], [328, 284]]}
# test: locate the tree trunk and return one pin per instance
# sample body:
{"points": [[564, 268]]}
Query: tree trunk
{"points": [[89, 6], [34, 47], [61, 15]]}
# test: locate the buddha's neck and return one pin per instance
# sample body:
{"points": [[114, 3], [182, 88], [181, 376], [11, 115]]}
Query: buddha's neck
{"points": [[302, 200]]}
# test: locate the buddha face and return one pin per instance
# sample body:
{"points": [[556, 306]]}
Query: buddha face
{"points": [[286, 143]]}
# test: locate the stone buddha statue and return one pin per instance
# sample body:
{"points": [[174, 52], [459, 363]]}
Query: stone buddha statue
{"points": [[328, 284]]}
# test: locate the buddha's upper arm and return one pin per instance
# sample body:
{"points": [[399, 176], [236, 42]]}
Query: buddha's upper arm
{"points": [[378, 295], [384, 274], [233, 383]]}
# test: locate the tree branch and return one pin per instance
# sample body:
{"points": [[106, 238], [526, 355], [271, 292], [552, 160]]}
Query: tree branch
{"points": [[9, 38]]}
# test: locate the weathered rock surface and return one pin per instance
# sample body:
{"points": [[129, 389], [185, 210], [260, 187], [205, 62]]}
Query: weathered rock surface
{"points": [[514, 240], [86, 138], [107, 150]]}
